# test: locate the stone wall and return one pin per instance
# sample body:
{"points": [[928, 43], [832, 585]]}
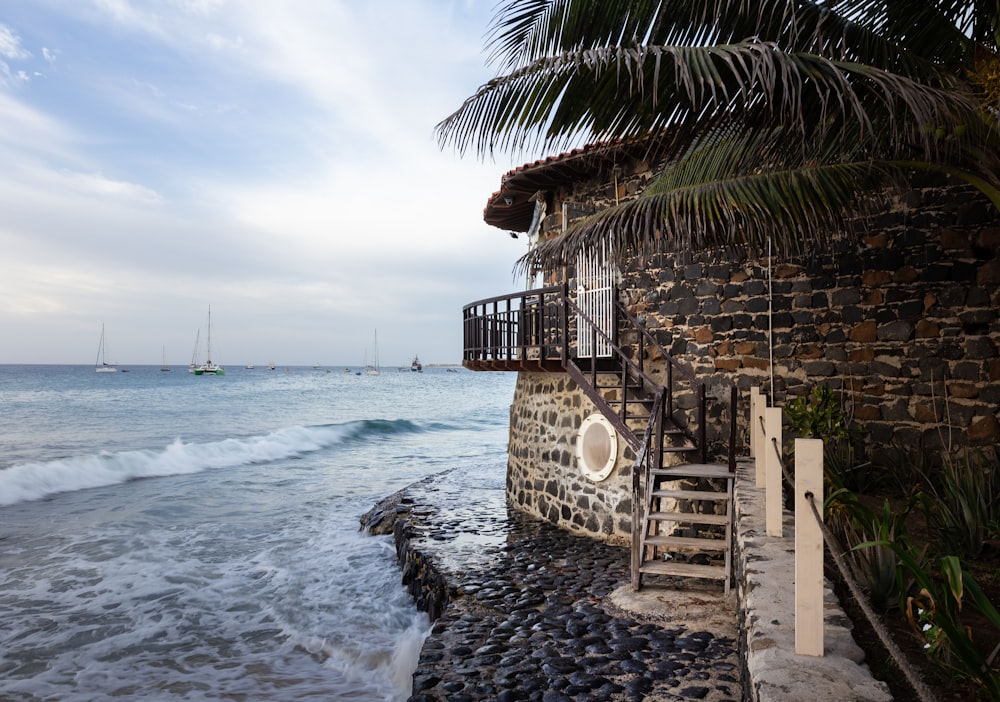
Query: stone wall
{"points": [[543, 478], [902, 321], [901, 318]]}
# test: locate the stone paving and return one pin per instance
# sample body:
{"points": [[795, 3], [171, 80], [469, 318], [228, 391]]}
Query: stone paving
{"points": [[536, 613]]}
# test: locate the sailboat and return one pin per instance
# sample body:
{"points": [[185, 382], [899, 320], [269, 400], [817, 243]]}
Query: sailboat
{"points": [[102, 365], [194, 354], [165, 367], [373, 369], [208, 367]]}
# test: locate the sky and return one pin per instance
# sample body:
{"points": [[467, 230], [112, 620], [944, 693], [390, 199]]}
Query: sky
{"points": [[273, 160]]}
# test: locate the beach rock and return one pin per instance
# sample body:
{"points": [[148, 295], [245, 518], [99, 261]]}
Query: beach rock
{"points": [[381, 519]]}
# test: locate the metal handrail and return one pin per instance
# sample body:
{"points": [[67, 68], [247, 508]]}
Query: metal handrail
{"points": [[535, 325], [642, 457], [511, 327], [685, 371], [502, 298]]}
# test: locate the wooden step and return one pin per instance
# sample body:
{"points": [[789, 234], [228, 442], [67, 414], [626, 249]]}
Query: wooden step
{"points": [[634, 394], [687, 542], [693, 517], [675, 449], [692, 495], [694, 470], [689, 570]]}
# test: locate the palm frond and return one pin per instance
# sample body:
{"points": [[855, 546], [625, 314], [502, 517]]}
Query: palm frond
{"points": [[775, 118], [629, 92], [912, 37], [729, 193]]}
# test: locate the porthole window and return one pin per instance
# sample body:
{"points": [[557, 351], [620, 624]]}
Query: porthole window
{"points": [[596, 448]]}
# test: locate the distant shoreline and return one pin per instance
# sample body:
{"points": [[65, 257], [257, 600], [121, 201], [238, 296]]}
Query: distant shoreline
{"points": [[231, 365]]}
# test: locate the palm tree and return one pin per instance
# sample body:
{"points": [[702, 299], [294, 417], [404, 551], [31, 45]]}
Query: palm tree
{"points": [[773, 120]]}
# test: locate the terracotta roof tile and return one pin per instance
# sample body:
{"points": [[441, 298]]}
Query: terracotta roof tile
{"points": [[511, 207]]}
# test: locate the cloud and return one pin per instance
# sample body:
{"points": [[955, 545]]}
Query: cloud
{"points": [[10, 44], [276, 160], [96, 184]]}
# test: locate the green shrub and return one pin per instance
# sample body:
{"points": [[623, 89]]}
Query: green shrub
{"points": [[820, 415], [865, 537], [940, 589], [961, 503]]}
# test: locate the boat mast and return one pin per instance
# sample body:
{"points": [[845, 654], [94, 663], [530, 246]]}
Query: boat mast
{"points": [[208, 346]]}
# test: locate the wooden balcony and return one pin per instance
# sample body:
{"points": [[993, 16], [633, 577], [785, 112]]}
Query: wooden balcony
{"points": [[523, 331]]}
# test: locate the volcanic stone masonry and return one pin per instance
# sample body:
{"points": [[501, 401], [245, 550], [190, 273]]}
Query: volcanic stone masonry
{"points": [[542, 476], [901, 320]]}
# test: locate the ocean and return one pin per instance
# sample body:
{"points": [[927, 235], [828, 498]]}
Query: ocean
{"points": [[165, 536]]}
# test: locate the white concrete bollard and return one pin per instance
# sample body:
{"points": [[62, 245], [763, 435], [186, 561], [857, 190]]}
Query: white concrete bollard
{"points": [[808, 548], [773, 504]]}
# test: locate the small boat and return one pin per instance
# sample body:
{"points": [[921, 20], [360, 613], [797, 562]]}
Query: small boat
{"points": [[165, 367], [271, 366], [416, 366], [249, 366], [102, 365], [208, 367], [194, 354], [373, 369]]}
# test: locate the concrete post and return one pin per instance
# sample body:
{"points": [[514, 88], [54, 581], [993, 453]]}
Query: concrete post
{"points": [[771, 448], [808, 548], [758, 403]]}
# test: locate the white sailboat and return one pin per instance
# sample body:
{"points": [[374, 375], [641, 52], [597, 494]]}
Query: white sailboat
{"points": [[194, 354], [374, 369], [208, 367], [102, 365], [165, 367]]}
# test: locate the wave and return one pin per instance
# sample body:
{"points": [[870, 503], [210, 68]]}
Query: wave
{"points": [[23, 482]]}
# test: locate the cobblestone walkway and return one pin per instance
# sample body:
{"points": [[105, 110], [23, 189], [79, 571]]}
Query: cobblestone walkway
{"points": [[536, 613]]}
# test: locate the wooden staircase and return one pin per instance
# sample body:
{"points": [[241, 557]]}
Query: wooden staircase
{"points": [[687, 531], [682, 516], [682, 523]]}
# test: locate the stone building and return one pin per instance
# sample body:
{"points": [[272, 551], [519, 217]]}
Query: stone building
{"points": [[900, 318]]}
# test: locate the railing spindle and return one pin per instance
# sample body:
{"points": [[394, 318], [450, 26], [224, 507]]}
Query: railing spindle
{"points": [[702, 429]]}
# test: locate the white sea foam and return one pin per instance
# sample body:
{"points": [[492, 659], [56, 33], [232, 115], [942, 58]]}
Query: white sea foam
{"points": [[32, 481], [241, 573]]}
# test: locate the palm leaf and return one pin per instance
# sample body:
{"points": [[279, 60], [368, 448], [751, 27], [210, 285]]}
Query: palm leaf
{"points": [[781, 136], [630, 92], [728, 195]]}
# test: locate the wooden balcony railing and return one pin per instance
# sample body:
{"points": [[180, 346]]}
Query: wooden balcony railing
{"points": [[522, 331]]}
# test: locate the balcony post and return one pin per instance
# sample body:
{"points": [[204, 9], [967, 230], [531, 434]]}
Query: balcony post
{"points": [[702, 418], [565, 324]]}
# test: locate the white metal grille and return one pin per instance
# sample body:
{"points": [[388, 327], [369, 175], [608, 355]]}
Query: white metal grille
{"points": [[595, 289]]}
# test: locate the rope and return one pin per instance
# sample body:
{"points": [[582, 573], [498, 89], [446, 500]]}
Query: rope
{"points": [[781, 462], [833, 546]]}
